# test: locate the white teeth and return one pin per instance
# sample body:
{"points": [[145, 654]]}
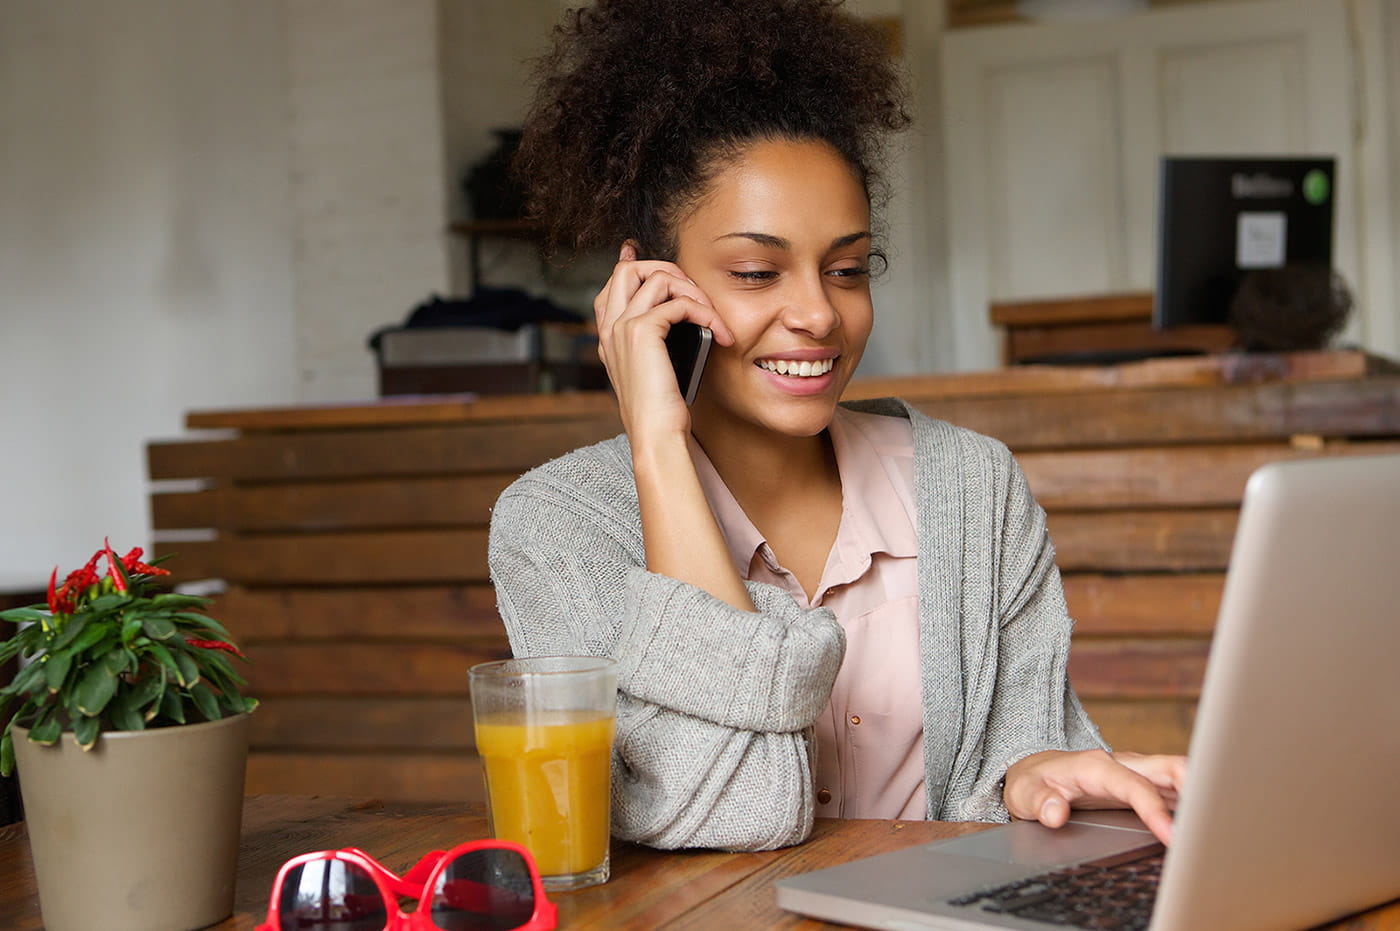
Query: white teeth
{"points": [[797, 369]]}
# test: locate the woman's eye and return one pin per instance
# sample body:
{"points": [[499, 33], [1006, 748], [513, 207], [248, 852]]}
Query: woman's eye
{"points": [[854, 271], [758, 275]]}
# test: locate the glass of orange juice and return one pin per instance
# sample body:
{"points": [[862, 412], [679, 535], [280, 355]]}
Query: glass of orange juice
{"points": [[544, 731]]}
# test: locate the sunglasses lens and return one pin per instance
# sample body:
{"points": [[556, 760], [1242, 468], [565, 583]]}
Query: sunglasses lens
{"points": [[484, 890], [331, 895]]}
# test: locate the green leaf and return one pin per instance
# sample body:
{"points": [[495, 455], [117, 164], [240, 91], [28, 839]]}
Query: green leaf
{"points": [[189, 670], [47, 731], [95, 689], [234, 703], [7, 753], [210, 626], [24, 615], [154, 705], [91, 636], [28, 679], [146, 690], [56, 669], [159, 628], [171, 707], [106, 603], [173, 600], [214, 661], [11, 648], [71, 629], [164, 657], [227, 689], [118, 662], [205, 701], [85, 731], [131, 627], [196, 618], [125, 713]]}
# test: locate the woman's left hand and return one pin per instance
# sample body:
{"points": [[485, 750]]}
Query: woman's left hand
{"points": [[1045, 786]]}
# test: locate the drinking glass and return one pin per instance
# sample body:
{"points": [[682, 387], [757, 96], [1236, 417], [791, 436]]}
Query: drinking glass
{"points": [[544, 731]]}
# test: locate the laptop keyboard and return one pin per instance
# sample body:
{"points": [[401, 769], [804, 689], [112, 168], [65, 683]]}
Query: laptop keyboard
{"points": [[1114, 892]]}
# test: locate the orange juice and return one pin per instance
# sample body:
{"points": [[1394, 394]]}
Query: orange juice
{"points": [[548, 783]]}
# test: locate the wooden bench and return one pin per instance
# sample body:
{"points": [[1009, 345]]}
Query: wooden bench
{"points": [[352, 539]]}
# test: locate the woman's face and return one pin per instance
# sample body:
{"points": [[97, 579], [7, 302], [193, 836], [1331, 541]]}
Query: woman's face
{"points": [[781, 246]]}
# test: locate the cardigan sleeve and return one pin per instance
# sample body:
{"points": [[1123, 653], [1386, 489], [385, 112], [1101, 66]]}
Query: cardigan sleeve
{"points": [[1030, 705], [715, 704]]}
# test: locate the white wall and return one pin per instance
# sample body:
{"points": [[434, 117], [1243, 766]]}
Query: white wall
{"points": [[144, 260], [367, 164]]}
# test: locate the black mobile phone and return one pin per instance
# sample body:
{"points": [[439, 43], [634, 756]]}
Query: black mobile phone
{"points": [[688, 345]]}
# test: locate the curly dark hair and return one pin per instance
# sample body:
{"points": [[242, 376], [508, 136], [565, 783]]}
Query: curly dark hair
{"points": [[641, 102]]}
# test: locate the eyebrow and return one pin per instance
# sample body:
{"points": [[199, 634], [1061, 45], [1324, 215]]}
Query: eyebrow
{"points": [[778, 242]]}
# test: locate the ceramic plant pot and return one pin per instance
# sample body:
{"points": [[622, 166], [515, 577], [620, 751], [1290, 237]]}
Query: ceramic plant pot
{"points": [[140, 833]]}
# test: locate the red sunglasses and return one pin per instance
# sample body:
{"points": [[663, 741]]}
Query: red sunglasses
{"points": [[483, 885]]}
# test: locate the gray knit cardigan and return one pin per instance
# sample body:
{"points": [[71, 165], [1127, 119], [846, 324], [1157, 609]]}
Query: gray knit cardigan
{"points": [[714, 740]]}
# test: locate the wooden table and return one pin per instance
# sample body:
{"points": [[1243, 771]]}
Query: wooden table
{"points": [[649, 889]]}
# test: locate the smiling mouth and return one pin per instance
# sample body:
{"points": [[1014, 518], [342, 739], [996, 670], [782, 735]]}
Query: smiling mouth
{"points": [[796, 369]]}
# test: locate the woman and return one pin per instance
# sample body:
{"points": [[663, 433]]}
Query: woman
{"points": [[817, 610]]}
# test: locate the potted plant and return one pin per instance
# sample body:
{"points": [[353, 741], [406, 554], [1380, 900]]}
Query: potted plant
{"points": [[131, 740]]}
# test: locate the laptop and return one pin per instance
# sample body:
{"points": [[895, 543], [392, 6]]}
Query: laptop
{"points": [[1291, 811]]}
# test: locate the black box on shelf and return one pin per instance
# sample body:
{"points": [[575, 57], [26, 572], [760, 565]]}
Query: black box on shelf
{"points": [[534, 358]]}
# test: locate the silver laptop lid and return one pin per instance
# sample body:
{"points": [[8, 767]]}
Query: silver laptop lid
{"points": [[1291, 814]]}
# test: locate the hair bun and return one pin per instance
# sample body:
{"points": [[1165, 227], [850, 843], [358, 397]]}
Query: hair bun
{"points": [[639, 100]]}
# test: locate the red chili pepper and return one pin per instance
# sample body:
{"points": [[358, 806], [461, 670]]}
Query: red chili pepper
{"points": [[215, 645], [118, 581], [62, 600], [132, 562], [89, 570], [79, 579]]}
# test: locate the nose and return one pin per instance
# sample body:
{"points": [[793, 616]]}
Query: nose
{"points": [[808, 309]]}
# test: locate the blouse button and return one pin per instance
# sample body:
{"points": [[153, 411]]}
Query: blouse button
{"points": [[855, 719], [824, 796]]}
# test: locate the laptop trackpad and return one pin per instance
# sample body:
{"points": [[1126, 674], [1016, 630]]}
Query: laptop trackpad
{"points": [[1032, 844]]}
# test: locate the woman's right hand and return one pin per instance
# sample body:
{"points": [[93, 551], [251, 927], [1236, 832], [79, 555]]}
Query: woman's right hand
{"points": [[639, 304]]}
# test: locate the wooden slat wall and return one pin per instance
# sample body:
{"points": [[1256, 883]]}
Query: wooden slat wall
{"points": [[352, 540]]}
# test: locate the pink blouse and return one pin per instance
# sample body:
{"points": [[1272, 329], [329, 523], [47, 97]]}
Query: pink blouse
{"points": [[870, 759]]}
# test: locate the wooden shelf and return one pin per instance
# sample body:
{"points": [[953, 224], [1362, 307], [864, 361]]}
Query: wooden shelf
{"points": [[1097, 329]]}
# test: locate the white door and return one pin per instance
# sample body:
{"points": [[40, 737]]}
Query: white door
{"points": [[1053, 134]]}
